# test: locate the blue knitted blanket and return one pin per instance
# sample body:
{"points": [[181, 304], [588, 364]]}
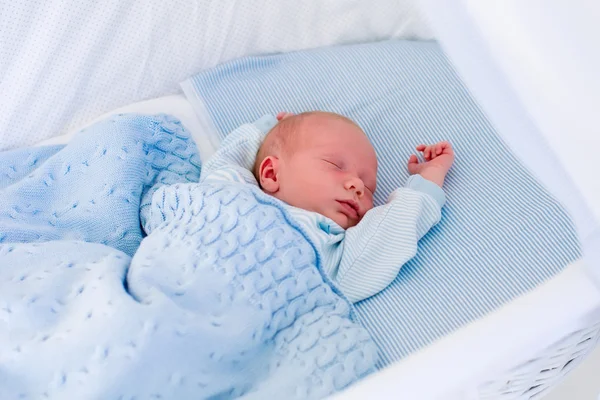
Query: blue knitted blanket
{"points": [[223, 298]]}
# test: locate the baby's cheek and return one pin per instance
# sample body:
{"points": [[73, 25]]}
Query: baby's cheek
{"points": [[327, 180], [369, 197]]}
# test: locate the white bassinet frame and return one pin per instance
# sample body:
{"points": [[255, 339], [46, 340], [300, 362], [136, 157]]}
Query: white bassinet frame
{"points": [[528, 345]]}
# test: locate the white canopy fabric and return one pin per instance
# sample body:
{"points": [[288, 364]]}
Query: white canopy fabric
{"points": [[534, 66]]}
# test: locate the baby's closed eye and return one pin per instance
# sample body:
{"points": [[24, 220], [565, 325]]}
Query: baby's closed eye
{"points": [[334, 163]]}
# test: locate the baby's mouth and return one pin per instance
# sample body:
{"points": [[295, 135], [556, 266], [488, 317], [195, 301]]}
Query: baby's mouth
{"points": [[349, 208]]}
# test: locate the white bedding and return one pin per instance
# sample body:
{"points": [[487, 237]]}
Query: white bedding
{"points": [[177, 105], [64, 62]]}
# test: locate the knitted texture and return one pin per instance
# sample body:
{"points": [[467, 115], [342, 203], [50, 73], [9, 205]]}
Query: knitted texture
{"points": [[229, 258], [91, 189], [225, 296]]}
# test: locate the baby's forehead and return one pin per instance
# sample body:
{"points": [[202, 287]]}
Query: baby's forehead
{"points": [[327, 129], [325, 132], [351, 145], [335, 131]]}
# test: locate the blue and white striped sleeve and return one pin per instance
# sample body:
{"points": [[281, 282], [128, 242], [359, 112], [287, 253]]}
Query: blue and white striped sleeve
{"points": [[386, 238], [235, 157]]}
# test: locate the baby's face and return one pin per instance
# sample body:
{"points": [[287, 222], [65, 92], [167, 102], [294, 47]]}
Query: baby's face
{"points": [[332, 170]]}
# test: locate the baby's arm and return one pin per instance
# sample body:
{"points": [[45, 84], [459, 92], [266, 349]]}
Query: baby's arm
{"points": [[367, 266], [386, 238]]}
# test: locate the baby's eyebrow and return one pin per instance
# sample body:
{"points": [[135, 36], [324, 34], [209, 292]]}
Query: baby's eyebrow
{"points": [[331, 155]]}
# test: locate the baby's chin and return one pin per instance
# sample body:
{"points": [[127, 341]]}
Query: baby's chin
{"points": [[342, 220]]}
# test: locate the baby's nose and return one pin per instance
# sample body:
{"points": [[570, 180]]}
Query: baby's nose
{"points": [[356, 185]]}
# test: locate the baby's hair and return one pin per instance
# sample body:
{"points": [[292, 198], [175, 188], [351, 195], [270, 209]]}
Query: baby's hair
{"points": [[283, 138]]}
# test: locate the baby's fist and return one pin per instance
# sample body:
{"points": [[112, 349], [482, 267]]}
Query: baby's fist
{"points": [[438, 160]]}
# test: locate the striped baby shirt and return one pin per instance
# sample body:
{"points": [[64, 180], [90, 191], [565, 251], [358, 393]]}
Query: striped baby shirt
{"points": [[361, 260]]}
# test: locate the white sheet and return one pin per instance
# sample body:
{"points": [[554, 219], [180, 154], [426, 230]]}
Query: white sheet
{"points": [[63, 62], [177, 105]]}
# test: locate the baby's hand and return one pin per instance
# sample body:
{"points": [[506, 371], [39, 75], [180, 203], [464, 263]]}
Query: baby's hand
{"points": [[438, 160]]}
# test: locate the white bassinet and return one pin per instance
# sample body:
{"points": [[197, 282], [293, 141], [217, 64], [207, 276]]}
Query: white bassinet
{"points": [[533, 68]]}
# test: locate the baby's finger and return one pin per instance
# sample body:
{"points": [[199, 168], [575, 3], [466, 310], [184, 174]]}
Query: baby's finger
{"points": [[428, 153], [446, 146], [438, 149], [431, 149], [413, 164], [421, 147]]}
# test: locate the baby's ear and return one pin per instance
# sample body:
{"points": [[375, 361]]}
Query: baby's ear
{"points": [[283, 115], [268, 171]]}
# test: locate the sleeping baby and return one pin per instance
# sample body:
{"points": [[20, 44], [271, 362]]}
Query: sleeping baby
{"points": [[323, 168]]}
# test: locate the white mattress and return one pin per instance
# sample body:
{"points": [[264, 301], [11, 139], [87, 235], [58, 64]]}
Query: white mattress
{"points": [[200, 126]]}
